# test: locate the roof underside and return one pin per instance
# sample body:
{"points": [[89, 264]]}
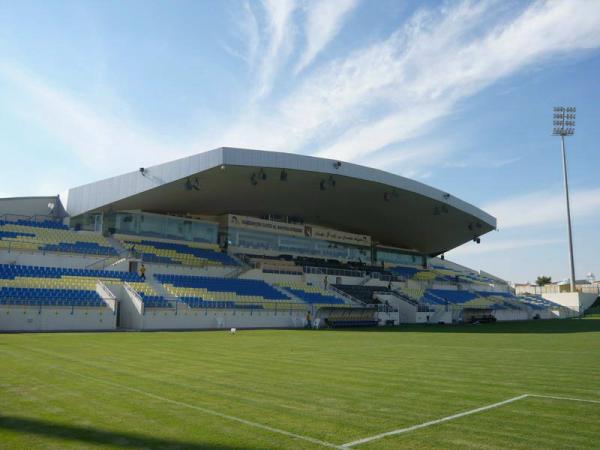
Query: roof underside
{"points": [[393, 210]]}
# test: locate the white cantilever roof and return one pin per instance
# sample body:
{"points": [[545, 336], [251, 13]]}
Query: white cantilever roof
{"points": [[394, 210]]}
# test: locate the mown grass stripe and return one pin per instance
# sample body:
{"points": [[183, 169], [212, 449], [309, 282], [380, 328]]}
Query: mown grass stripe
{"points": [[188, 405], [335, 386]]}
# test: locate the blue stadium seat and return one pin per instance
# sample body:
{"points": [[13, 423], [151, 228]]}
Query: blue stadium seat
{"points": [[238, 286], [10, 271], [316, 297]]}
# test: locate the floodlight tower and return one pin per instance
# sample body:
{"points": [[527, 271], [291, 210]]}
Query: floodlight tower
{"points": [[564, 125]]}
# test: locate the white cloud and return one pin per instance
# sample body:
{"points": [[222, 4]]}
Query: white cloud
{"points": [[424, 69], [248, 38], [543, 208], [482, 160], [392, 91], [411, 161], [279, 36], [101, 141], [324, 19], [361, 107]]}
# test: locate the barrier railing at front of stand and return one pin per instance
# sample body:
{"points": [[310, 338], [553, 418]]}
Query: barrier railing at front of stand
{"points": [[560, 289], [591, 289], [41, 303], [276, 307]]}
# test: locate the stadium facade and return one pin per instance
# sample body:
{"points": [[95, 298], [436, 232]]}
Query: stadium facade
{"points": [[247, 238]]}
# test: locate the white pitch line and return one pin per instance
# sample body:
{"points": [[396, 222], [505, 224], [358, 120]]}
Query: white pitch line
{"points": [[209, 411], [432, 422], [189, 405], [310, 439], [572, 399], [466, 413]]}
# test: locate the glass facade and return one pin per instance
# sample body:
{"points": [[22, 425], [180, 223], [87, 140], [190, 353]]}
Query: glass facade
{"points": [[245, 239], [87, 222], [391, 256], [161, 226]]}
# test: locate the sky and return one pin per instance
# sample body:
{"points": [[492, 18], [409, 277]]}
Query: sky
{"points": [[455, 94]]}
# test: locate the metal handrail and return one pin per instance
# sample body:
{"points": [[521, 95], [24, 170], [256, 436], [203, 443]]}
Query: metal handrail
{"points": [[346, 295], [119, 257], [404, 297]]}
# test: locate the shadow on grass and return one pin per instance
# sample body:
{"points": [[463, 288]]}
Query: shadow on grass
{"points": [[555, 326], [93, 436]]}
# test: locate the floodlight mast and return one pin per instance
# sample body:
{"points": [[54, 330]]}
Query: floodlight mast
{"points": [[564, 125]]}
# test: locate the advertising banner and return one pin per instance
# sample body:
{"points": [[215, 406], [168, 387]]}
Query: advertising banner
{"points": [[327, 234], [298, 230], [265, 225]]}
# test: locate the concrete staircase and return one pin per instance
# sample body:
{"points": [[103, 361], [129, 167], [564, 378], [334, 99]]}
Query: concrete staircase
{"points": [[158, 287], [110, 262], [404, 298], [293, 297], [116, 244], [238, 271], [105, 263], [345, 296]]}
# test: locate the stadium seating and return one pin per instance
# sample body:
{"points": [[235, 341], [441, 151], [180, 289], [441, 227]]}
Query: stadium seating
{"points": [[56, 297], [497, 302], [183, 253], [50, 236], [311, 294], [537, 302], [13, 271], [34, 223], [413, 273], [404, 272], [439, 274], [462, 276], [149, 296], [414, 293], [443, 296], [33, 285], [471, 299], [207, 292], [276, 265], [485, 299], [154, 301], [365, 294]]}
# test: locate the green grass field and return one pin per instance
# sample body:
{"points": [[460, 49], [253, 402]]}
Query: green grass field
{"points": [[189, 390]]}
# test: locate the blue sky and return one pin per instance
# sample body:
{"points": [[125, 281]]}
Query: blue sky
{"points": [[458, 95]]}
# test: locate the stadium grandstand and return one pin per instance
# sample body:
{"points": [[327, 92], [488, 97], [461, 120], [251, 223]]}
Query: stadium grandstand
{"points": [[246, 239]]}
